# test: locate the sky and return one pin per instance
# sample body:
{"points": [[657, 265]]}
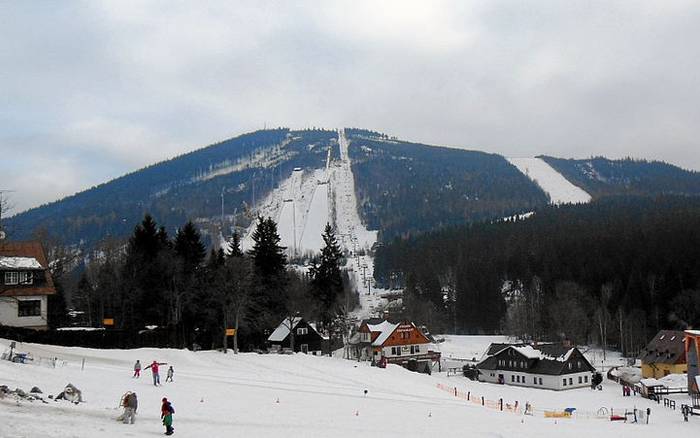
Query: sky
{"points": [[92, 90]]}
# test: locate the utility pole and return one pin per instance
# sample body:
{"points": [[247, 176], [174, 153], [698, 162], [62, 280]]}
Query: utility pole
{"points": [[222, 209]]}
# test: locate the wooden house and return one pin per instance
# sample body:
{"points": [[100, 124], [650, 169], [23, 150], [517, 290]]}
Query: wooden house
{"points": [[307, 339], [546, 366], [397, 343], [25, 285], [664, 355]]}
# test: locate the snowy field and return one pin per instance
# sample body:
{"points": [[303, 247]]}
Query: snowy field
{"points": [[217, 395], [559, 189]]}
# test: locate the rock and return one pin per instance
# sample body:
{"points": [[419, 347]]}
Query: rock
{"points": [[36, 390], [20, 393]]}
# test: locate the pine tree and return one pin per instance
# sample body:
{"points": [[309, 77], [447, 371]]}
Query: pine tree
{"points": [[234, 246], [270, 272], [327, 280], [189, 247]]}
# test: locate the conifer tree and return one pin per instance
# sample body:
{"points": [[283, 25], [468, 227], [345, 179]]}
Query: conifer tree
{"points": [[327, 281]]}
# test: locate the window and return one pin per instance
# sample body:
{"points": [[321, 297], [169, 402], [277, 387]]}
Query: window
{"points": [[534, 380], [570, 365], [580, 380], [417, 348], [522, 364], [11, 277], [564, 382], [571, 381], [585, 379], [517, 379], [405, 335], [393, 351], [578, 364], [29, 308], [512, 378], [26, 278], [302, 331], [540, 380]]}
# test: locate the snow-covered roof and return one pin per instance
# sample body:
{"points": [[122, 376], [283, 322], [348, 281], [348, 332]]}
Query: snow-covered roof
{"points": [[669, 381], [19, 263], [693, 332], [534, 353], [283, 330], [385, 329]]}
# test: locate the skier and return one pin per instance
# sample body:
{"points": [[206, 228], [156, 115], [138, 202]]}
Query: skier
{"points": [[131, 403], [166, 414], [154, 369], [137, 369], [169, 377]]}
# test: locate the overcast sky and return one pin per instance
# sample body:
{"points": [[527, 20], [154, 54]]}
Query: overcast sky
{"points": [[89, 91]]}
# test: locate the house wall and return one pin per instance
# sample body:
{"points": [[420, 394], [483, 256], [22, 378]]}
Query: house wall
{"points": [[659, 370], [527, 379], [406, 334], [9, 315], [693, 359]]}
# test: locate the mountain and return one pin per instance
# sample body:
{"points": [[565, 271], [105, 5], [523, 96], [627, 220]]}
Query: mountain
{"points": [[401, 188], [600, 176]]}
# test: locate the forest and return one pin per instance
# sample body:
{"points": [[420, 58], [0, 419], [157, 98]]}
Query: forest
{"points": [[613, 272], [190, 297]]}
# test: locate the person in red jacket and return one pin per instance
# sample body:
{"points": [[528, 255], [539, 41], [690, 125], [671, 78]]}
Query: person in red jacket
{"points": [[154, 369], [166, 414]]}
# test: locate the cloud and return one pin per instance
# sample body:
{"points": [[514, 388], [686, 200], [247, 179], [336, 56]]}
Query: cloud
{"points": [[92, 90]]}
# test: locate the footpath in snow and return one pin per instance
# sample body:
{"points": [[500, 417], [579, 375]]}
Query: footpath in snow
{"points": [[559, 189]]}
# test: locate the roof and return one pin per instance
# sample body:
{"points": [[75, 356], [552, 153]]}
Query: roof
{"points": [[385, 329], [19, 252], [667, 347], [692, 332], [19, 263], [546, 359], [283, 330]]}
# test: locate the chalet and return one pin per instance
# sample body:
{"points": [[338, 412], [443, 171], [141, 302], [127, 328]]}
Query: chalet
{"points": [[394, 342], [306, 338], [664, 355], [25, 284], [692, 352], [547, 366]]}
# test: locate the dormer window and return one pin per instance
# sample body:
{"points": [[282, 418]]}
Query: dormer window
{"points": [[302, 331], [11, 278], [26, 277]]}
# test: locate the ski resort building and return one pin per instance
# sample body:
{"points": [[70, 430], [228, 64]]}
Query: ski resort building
{"points": [[664, 355], [25, 285], [307, 339], [546, 366], [398, 343]]}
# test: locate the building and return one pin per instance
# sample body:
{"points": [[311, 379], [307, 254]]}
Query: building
{"points": [[397, 343], [692, 352], [25, 284], [306, 338], [664, 355], [546, 366]]}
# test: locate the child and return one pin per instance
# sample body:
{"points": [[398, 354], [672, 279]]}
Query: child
{"points": [[137, 369], [169, 377], [131, 404], [166, 413]]}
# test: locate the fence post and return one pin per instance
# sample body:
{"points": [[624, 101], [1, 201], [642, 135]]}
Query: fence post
{"points": [[455, 391], [469, 393], [500, 403], [482, 400], [82, 366]]}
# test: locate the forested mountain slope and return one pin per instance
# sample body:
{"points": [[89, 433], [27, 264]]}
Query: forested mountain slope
{"points": [[403, 188], [600, 176]]}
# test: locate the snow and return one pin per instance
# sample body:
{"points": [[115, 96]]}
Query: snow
{"points": [[559, 189], [317, 218], [19, 263], [385, 329], [217, 395], [282, 331]]}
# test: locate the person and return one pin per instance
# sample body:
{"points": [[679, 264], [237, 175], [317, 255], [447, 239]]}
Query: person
{"points": [[166, 414], [131, 404], [169, 377], [137, 369], [154, 369]]}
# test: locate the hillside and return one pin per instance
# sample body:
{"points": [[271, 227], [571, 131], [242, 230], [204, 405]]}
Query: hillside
{"points": [[600, 176], [216, 395]]}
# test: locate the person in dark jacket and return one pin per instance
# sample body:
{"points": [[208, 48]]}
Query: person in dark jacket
{"points": [[166, 414]]}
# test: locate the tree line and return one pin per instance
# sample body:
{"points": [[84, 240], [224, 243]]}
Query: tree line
{"points": [[611, 272], [193, 295]]}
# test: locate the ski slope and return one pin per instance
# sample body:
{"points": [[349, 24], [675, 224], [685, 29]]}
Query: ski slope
{"points": [[559, 189], [252, 395], [316, 219]]}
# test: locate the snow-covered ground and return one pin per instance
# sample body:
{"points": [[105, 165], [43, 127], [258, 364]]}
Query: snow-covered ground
{"points": [[559, 189], [217, 395]]}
